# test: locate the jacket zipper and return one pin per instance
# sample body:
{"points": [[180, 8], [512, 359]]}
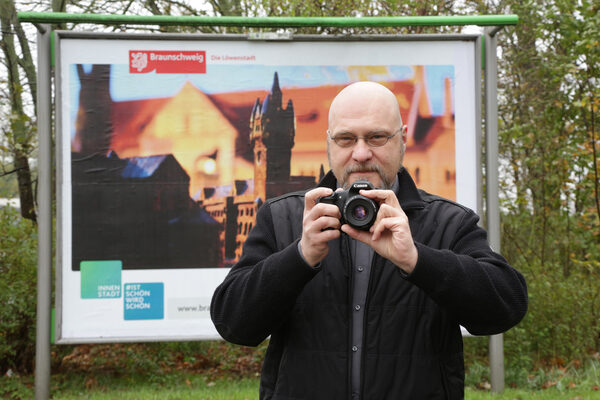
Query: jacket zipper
{"points": [[365, 318], [345, 251]]}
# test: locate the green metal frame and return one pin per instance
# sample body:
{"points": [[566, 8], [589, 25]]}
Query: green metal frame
{"points": [[269, 22], [45, 58]]}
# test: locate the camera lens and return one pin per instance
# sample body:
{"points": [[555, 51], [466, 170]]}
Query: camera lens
{"points": [[359, 212]]}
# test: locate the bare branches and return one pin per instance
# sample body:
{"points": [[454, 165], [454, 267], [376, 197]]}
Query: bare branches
{"points": [[20, 133]]}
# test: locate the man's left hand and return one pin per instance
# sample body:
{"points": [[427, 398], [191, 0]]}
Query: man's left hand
{"points": [[390, 235]]}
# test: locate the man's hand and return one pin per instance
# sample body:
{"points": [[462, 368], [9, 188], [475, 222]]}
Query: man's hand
{"points": [[320, 224], [390, 235]]}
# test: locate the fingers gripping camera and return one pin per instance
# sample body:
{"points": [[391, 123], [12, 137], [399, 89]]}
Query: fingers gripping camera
{"points": [[357, 211]]}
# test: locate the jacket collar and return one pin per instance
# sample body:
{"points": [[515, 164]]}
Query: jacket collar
{"points": [[408, 194]]}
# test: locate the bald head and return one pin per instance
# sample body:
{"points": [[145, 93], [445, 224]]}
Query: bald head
{"points": [[361, 96], [365, 110]]}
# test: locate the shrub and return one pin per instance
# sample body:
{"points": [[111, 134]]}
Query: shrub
{"points": [[562, 323], [18, 265]]}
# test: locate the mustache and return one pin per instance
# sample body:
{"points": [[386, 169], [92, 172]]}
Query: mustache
{"points": [[362, 168]]}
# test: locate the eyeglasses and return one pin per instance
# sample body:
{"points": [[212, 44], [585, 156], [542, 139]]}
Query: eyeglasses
{"points": [[349, 140]]}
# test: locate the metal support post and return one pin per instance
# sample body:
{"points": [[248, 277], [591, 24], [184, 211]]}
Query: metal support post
{"points": [[496, 347], [44, 202]]}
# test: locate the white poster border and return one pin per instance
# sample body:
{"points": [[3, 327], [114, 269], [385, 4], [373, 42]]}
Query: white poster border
{"points": [[69, 305]]}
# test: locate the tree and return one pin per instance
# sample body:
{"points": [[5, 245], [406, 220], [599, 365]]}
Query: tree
{"points": [[548, 108], [19, 132]]}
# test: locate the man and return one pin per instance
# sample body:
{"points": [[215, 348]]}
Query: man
{"points": [[366, 314]]}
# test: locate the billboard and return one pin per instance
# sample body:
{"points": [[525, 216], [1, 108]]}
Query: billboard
{"points": [[167, 147]]}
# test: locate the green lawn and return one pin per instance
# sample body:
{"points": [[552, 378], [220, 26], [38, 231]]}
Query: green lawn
{"points": [[248, 390], [174, 386], [137, 380], [544, 394], [184, 386], [192, 388]]}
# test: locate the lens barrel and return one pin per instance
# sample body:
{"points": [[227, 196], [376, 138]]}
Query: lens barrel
{"points": [[360, 212]]}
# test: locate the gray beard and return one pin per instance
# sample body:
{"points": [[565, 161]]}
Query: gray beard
{"points": [[385, 182]]}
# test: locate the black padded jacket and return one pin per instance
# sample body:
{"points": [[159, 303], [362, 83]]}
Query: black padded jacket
{"points": [[412, 340]]}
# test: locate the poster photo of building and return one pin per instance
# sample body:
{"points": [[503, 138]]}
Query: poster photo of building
{"points": [[175, 181]]}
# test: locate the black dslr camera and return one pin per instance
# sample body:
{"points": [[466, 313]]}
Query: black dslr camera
{"points": [[357, 211]]}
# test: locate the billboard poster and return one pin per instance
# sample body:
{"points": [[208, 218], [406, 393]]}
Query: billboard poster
{"points": [[168, 147]]}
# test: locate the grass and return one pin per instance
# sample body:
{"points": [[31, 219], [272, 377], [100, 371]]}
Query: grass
{"points": [[191, 387], [218, 371], [543, 394], [186, 385], [174, 386]]}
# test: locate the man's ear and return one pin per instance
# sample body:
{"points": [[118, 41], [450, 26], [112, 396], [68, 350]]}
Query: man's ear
{"points": [[404, 134]]}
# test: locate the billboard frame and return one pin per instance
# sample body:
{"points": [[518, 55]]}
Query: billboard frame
{"points": [[44, 124], [60, 218]]}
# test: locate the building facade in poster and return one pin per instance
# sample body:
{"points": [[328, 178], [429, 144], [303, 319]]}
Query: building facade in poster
{"points": [[138, 209], [271, 136]]}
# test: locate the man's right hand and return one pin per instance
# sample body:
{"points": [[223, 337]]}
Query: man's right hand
{"points": [[320, 224]]}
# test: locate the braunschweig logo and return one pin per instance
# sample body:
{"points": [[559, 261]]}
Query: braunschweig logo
{"points": [[167, 62]]}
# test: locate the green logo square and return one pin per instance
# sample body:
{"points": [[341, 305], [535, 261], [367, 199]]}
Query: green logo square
{"points": [[101, 279]]}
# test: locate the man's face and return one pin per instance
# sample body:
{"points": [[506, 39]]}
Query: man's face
{"points": [[366, 114]]}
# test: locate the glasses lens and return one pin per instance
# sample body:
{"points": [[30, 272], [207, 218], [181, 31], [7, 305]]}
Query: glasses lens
{"points": [[377, 140], [345, 140]]}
